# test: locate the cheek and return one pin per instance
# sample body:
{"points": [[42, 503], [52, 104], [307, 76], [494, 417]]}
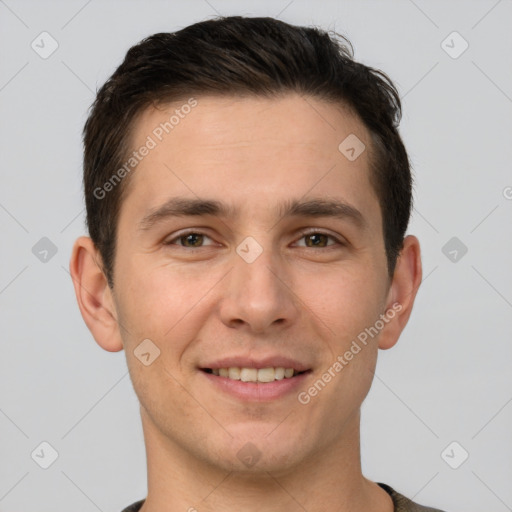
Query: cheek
{"points": [[156, 305], [351, 304], [347, 301], [162, 302]]}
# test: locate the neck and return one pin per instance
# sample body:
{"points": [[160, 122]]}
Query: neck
{"points": [[327, 480]]}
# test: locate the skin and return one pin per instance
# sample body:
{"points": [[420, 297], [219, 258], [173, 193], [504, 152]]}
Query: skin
{"points": [[301, 301]]}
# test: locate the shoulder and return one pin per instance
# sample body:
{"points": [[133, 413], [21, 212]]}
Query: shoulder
{"points": [[134, 507], [403, 504]]}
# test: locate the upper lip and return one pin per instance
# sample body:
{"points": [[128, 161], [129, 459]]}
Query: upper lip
{"points": [[257, 362]]}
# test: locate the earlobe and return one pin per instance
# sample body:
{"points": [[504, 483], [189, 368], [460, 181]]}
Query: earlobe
{"points": [[404, 286], [94, 296]]}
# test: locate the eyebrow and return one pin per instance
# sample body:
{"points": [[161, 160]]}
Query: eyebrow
{"points": [[184, 207]]}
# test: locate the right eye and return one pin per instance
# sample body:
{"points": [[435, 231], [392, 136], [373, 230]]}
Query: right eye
{"points": [[188, 240]]}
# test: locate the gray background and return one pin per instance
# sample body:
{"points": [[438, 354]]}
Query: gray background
{"points": [[448, 379]]}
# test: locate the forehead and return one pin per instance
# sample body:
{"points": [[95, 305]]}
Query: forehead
{"points": [[220, 120], [249, 150]]}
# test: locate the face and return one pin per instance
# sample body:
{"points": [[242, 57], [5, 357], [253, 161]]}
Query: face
{"points": [[246, 281]]}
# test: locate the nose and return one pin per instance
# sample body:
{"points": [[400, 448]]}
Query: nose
{"points": [[258, 295]]}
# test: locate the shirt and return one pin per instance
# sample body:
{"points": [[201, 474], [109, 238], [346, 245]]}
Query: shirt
{"points": [[401, 503]]}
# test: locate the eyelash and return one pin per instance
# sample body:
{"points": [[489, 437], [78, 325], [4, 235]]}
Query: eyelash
{"points": [[302, 235]]}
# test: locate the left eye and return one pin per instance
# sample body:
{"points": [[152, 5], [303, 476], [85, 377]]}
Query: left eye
{"points": [[194, 240], [318, 239]]}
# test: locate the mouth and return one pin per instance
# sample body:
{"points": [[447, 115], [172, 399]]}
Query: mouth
{"points": [[252, 384], [260, 375], [255, 378]]}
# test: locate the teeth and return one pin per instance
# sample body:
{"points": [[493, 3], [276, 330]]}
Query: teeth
{"points": [[234, 373], [266, 374], [248, 374], [254, 374]]}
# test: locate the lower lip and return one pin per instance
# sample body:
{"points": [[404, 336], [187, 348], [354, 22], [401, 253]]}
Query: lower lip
{"points": [[257, 391]]}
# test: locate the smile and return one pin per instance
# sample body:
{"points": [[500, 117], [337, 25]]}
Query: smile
{"points": [[269, 374], [256, 384]]}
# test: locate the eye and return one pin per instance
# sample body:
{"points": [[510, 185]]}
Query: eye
{"points": [[195, 240], [318, 239], [190, 239]]}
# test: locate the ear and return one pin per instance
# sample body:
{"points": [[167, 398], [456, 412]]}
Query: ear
{"points": [[402, 292], [94, 296]]}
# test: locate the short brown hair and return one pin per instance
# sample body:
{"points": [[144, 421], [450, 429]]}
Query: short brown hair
{"points": [[241, 56]]}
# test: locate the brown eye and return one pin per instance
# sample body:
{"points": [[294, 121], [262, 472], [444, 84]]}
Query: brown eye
{"points": [[316, 240], [191, 240]]}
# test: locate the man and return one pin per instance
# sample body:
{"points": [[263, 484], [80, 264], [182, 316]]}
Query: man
{"points": [[247, 198]]}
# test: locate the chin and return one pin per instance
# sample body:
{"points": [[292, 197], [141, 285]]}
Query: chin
{"points": [[262, 450]]}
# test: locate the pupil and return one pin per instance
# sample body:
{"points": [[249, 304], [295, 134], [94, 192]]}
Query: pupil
{"points": [[191, 237], [310, 237]]}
